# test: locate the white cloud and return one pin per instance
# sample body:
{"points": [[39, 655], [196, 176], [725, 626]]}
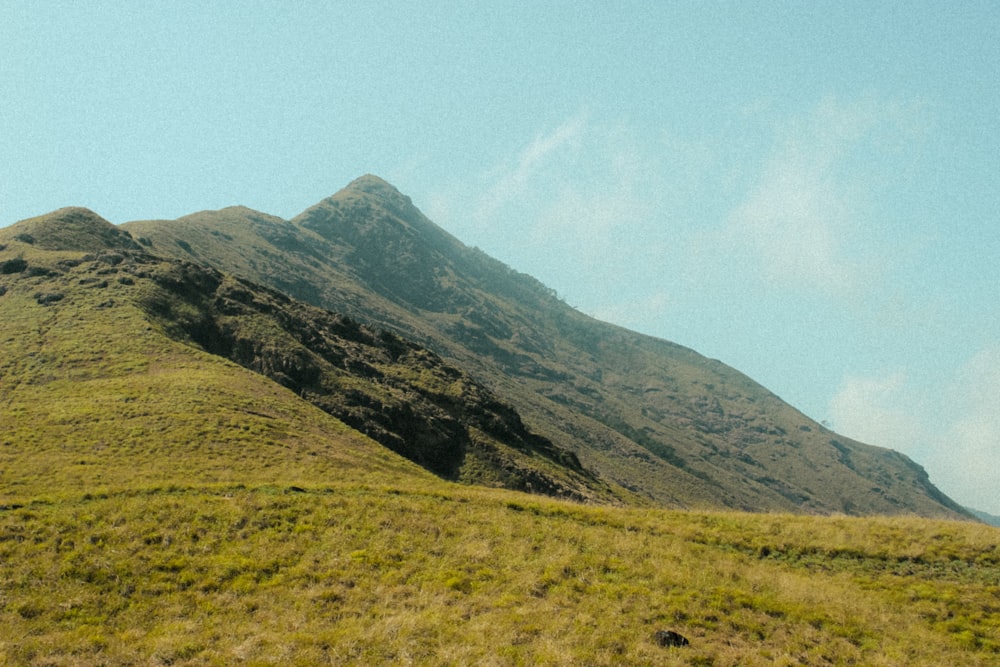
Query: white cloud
{"points": [[954, 434], [576, 183], [584, 200], [791, 225], [805, 221], [510, 182], [967, 450], [637, 314]]}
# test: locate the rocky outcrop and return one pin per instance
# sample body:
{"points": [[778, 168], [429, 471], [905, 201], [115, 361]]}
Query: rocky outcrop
{"points": [[395, 391]]}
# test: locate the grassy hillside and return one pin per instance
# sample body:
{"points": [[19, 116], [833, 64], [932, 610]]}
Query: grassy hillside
{"points": [[438, 574], [132, 348], [653, 417], [94, 396]]}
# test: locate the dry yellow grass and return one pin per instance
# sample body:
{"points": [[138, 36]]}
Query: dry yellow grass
{"points": [[440, 574]]}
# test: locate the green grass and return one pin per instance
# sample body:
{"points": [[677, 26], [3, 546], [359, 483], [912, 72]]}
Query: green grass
{"points": [[434, 573], [109, 403]]}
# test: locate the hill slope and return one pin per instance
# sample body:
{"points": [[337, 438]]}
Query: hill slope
{"points": [[654, 417], [425, 573], [94, 397], [117, 364]]}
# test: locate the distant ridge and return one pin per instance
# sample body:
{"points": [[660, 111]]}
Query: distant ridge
{"points": [[74, 228], [985, 517]]}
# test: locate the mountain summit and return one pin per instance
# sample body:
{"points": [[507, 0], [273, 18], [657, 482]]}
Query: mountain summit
{"points": [[389, 245], [479, 372]]}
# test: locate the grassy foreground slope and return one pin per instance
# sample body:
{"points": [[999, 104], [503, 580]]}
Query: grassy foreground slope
{"points": [[441, 574], [95, 397]]}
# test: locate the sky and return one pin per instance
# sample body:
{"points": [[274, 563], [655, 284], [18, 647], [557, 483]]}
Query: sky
{"points": [[807, 191]]}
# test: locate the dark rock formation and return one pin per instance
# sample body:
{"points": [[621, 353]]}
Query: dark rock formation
{"points": [[669, 638]]}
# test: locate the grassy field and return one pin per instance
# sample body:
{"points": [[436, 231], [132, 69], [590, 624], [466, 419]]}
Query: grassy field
{"points": [[433, 573]]}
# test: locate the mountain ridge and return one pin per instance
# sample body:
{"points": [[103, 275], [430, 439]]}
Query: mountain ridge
{"points": [[647, 415], [383, 388]]}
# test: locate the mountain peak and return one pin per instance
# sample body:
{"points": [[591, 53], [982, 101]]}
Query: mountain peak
{"points": [[368, 182], [391, 246], [71, 228], [386, 194]]}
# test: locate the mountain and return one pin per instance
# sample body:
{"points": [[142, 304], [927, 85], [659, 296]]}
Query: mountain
{"points": [[985, 517], [113, 357], [199, 469], [365, 309], [653, 417]]}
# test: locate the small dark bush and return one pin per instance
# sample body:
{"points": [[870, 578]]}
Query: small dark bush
{"points": [[15, 265], [47, 299]]}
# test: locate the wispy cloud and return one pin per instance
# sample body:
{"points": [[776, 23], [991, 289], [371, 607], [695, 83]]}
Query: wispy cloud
{"points": [[634, 204], [967, 451], [803, 223], [877, 410], [509, 181], [792, 227], [609, 186], [635, 313], [586, 194]]}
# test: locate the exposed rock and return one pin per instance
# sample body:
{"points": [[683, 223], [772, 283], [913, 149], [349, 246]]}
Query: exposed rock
{"points": [[669, 638], [393, 390], [41, 271]]}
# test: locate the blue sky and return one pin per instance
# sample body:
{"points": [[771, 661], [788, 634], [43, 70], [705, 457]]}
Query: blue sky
{"points": [[808, 191]]}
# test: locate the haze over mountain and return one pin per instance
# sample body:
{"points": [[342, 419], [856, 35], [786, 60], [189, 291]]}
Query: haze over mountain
{"points": [[595, 411]]}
